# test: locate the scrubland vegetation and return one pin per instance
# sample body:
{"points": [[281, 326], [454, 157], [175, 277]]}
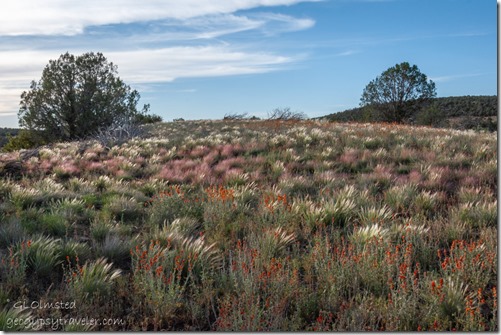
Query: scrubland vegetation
{"points": [[462, 112], [5, 133], [256, 225]]}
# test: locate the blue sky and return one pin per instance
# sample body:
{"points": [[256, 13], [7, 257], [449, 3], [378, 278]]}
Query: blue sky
{"points": [[200, 59]]}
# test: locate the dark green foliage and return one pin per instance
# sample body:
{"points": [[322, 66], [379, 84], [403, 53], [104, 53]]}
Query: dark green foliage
{"points": [[77, 96], [396, 89], [235, 116], [468, 105], [24, 140], [430, 116], [53, 225], [6, 133], [147, 118], [464, 112]]}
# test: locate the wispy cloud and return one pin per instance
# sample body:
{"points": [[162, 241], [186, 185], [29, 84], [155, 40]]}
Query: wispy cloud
{"points": [[167, 64], [347, 53], [71, 17], [215, 26], [441, 79], [188, 90], [279, 23]]}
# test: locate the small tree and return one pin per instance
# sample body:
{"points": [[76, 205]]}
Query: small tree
{"points": [[77, 96], [396, 90]]}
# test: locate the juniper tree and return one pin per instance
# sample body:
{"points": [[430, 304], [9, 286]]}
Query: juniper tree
{"points": [[75, 97], [396, 90]]}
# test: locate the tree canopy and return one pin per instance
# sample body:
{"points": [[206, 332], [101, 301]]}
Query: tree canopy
{"points": [[396, 89], [76, 96]]}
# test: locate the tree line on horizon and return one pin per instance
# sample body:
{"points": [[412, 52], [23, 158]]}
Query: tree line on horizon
{"points": [[459, 112]]}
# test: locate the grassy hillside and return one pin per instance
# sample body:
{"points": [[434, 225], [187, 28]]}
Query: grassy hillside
{"points": [[255, 225], [464, 112]]}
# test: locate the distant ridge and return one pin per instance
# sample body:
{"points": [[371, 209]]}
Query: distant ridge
{"points": [[461, 112]]}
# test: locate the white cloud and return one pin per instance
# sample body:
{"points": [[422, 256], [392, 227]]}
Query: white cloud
{"points": [[284, 23], [17, 70], [214, 26], [167, 64], [146, 66], [9, 100], [347, 53], [441, 79], [71, 17], [211, 27]]}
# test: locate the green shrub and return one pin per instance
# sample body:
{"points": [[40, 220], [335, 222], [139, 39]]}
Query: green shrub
{"points": [[309, 213], [476, 215], [25, 139], [44, 257], [6, 187], [71, 251], [29, 219], [72, 210], [186, 227], [426, 204], [168, 207], [102, 183], [116, 250], [273, 243], [399, 198], [93, 281], [23, 198], [372, 215], [53, 225], [99, 229], [124, 209], [431, 116], [148, 118], [11, 232]]}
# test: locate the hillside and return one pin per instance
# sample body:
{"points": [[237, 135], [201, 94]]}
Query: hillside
{"points": [[464, 112], [255, 226]]}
